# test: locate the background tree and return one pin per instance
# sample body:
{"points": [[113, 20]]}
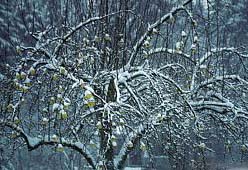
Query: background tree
{"points": [[104, 78]]}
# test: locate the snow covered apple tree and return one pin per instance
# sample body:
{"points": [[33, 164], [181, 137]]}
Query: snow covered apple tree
{"points": [[85, 88]]}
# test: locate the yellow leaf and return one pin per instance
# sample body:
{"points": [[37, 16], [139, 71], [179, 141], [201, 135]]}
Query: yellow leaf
{"points": [[18, 76], [62, 115], [14, 134], [91, 104], [17, 121], [23, 75], [10, 108], [143, 146], [88, 96], [60, 148], [32, 71], [55, 77], [55, 138]]}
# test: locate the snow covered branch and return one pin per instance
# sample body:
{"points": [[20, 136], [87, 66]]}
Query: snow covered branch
{"points": [[79, 26], [150, 29], [130, 143], [35, 142], [216, 80], [170, 51], [207, 57]]}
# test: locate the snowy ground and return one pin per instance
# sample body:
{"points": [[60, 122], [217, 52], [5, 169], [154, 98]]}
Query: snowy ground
{"points": [[136, 168]]}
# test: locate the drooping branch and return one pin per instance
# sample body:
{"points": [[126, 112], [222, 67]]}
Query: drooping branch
{"points": [[150, 29], [170, 51], [216, 80], [207, 56], [34, 142]]}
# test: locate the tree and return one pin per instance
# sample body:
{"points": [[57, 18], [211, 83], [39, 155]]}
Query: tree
{"points": [[87, 88]]}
